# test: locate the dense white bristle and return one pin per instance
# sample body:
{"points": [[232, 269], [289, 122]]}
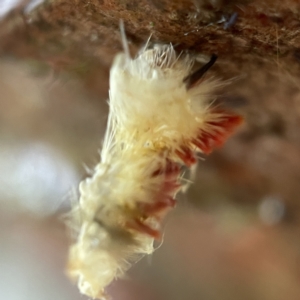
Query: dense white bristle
{"points": [[148, 97]]}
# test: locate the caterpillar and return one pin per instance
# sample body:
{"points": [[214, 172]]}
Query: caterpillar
{"points": [[161, 115]]}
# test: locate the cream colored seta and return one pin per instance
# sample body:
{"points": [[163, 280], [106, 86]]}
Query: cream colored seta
{"points": [[149, 98]]}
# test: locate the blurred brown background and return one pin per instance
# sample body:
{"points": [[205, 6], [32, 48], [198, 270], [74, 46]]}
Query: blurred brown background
{"points": [[235, 234]]}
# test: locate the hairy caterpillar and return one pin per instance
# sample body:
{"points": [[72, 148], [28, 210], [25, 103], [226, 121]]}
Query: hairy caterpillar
{"points": [[160, 117]]}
